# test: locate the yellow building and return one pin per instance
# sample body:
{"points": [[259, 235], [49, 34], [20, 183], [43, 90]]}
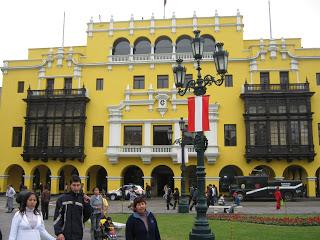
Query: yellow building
{"points": [[103, 110]]}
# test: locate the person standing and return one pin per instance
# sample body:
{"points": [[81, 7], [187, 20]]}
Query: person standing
{"points": [[165, 190], [214, 194], [148, 190], [10, 195], [96, 202], [191, 194], [176, 196], [169, 198], [142, 225], [194, 198], [27, 223], [45, 199], [72, 210], [210, 200], [278, 197]]}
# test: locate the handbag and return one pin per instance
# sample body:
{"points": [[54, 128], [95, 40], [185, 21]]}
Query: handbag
{"points": [[281, 203]]}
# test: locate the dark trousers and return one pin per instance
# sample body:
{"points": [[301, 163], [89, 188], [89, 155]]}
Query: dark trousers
{"points": [[194, 202], [175, 203], [169, 203], [45, 210]]}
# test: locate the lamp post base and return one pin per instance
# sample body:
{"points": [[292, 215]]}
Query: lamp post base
{"points": [[183, 206], [201, 231]]}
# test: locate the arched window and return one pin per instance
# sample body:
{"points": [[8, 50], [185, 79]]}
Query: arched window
{"points": [[121, 47], [184, 44], [142, 46], [209, 43], [163, 45]]}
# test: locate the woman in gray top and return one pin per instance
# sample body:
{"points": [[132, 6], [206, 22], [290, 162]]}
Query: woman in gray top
{"points": [[96, 202]]}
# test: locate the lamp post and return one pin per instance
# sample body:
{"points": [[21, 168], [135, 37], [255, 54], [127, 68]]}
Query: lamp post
{"points": [[183, 206], [201, 229]]}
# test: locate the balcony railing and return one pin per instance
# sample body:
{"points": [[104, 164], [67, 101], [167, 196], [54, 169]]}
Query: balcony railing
{"points": [[80, 92], [292, 87], [61, 153], [289, 152], [156, 149], [157, 57]]}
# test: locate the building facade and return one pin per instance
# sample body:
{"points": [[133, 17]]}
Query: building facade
{"points": [[103, 110]]}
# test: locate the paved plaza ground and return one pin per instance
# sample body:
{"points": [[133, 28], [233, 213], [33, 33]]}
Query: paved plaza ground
{"points": [[158, 206]]}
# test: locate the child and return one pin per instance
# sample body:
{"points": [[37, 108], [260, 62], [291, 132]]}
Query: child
{"points": [[107, 229]]}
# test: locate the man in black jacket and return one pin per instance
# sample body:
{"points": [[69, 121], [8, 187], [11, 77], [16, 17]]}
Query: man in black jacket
{"points": [[72, 210], [141, 225]]}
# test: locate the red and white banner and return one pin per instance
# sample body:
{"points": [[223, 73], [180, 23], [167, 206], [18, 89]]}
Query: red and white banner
{"points": [[198, 113]]}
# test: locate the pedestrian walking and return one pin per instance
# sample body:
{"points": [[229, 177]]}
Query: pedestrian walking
{"points": [[169, 198], [10, 196], [191, 194], [45, 199], [96, 202], [73, 209], [176, 196], [165, 190], [210, 200], [148, 190], [142, 224], [278, 197], [27, 223], [194, 198]]}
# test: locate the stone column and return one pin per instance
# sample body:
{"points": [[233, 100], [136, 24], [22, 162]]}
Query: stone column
{"points": [[28, 181], [311, 186], [54, 188], [177, 183], [84, 183]]}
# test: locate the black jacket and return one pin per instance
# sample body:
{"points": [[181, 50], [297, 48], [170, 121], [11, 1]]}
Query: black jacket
{"points": [[70, 214], [136, 230]]}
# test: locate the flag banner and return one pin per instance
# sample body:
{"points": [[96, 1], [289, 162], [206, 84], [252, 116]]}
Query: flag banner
{"points": [[186, 155], [198, 113]]}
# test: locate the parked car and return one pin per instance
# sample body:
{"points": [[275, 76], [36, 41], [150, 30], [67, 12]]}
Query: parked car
{"points": [[117, 194]]}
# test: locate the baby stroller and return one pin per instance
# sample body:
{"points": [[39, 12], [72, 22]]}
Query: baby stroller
{"points": [[106, 230]]}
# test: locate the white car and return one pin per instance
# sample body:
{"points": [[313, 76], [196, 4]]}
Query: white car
{"points": [[117, 194]]}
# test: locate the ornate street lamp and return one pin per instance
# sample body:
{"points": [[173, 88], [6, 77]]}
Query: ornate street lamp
{"points": [[183, 206], [201, 229]]}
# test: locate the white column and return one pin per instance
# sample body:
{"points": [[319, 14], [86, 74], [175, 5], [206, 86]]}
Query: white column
{"points": [[147, 134]]}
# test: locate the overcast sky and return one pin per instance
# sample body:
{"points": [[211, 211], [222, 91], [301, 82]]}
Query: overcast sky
{"points": [[38, 23]]}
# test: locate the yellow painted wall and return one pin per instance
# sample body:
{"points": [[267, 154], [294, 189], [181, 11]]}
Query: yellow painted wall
{"points": [[116, 80]]}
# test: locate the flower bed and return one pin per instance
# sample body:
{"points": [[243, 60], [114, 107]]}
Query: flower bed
{"points": [[282, 221]]}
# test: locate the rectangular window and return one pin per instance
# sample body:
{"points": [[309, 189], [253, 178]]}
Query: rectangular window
{"points": [[138, 82], [20, 87], [274, 133], [283, 132], [230, 135], [284, 79], [42, 136], [162, 81], [160, 135], [294, 130], [228, 82], [99, 84], [50, 83], [69, 135], [132, 135], [57, 135], [50, 135], [97, 136], [32, 135], [264, 79], [318, 78], [257, 132], [16, 136], [67, 83], [304, 133]]}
